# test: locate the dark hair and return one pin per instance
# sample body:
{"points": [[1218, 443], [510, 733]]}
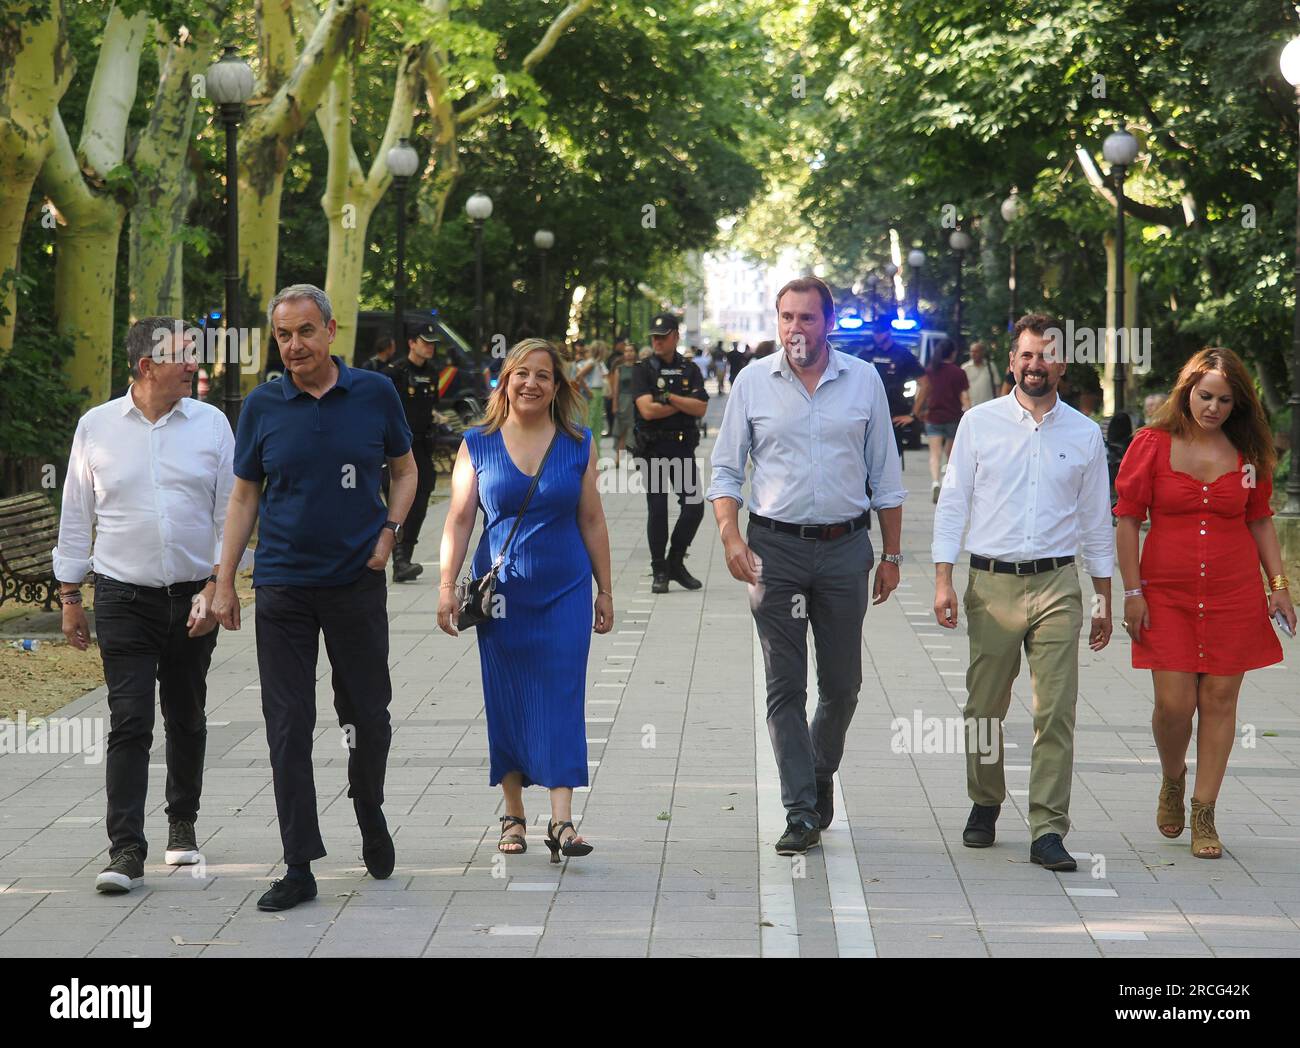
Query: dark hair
{"points": [[944, 350], [382, 343], [811, 284], [1037, 323], [146, 335]]}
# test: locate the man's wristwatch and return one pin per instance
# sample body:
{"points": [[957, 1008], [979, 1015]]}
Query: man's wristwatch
{"points": [[394, 527], [893, 558]]}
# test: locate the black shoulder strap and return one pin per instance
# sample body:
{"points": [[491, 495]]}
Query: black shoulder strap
{"points": [[527, 498]]}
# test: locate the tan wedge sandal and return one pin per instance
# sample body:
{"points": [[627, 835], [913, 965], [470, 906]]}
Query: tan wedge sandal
{"points": [[1169, 806], [1205, 839]]}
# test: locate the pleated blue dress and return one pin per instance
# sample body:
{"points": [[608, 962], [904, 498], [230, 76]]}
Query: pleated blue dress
{"points": [[534, 656]]}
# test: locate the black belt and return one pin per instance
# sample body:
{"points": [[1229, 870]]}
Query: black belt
{"points": [[814, 531], [176, 589], [667, 436], [1019, 567]]}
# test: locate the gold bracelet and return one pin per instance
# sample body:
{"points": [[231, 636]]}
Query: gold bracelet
{"points": [[604, 593], [446, 585], [1278, 582]]}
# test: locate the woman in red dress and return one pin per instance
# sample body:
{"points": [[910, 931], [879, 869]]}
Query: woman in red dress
{"points": [[1196, 608]]}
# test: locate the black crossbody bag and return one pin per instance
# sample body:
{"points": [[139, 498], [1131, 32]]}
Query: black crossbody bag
{"points": [[476, 594]]}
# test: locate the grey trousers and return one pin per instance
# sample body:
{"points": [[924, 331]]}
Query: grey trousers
{"points": [[827, 584]]}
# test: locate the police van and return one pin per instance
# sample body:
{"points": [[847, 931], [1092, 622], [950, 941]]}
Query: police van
{"points": [[852, 335]]}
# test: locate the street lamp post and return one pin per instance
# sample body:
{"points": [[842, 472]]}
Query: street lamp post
{"points": [[1120, 150], [230, 84], [1291, 71], [543, 240], [873, 282], [598, 266], [916, 262], [479, 209], [891, 271], [1010, 210], [402, 161], [960, 241]]}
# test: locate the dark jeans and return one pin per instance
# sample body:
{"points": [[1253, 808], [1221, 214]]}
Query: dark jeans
{"points": [[669, 466], [828, 585], [354, 619], [425, 480], [143, 638]]}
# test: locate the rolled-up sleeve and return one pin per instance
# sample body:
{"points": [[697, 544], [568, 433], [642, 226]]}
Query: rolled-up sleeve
{"points": [[880, 450], [952, 514], [72, 555], [731, 448], [1097, 534]]}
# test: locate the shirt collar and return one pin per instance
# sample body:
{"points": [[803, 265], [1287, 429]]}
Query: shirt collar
{"points": [[781, 365], [1019, 412], [185, 405], [290, 389]]}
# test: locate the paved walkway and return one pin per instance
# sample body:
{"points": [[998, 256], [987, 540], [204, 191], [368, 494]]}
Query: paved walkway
{"points": [[683, 809]]}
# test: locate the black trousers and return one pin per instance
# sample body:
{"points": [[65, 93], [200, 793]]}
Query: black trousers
{"points": [[426, 477], [142, 639], [669, 467], [354, 620]]}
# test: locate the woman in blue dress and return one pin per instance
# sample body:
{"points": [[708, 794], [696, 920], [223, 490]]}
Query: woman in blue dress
{"points": [[533, 650]]}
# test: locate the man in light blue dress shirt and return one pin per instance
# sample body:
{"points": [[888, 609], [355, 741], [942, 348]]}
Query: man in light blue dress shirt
{"points": [[815, 423]]}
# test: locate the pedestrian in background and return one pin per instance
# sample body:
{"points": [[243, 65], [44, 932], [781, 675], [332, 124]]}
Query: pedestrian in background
{"points": [[591, 374], [981, 375], [385, 350], [415, 377], [1193, 604], [621, 393], [941, 399], [534, 653]]}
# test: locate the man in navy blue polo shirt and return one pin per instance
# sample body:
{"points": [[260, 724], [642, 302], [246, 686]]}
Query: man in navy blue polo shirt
{"points": [[308, 455]]}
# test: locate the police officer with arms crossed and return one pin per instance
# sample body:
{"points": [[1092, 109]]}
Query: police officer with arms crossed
{"points": [[416, 379], [670, 400]]}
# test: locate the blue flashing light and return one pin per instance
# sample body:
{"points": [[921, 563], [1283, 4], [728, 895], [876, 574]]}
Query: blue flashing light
{"points": [[850, 323], [904, 325], [215, 315]]}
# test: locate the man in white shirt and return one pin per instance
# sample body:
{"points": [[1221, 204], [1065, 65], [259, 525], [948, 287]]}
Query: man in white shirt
{"points": [[151, 473], [985, 382], [1028, 475], [816, 425]]}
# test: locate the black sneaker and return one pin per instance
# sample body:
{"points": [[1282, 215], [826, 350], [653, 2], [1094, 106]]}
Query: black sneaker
{"points": [[798, 838], [981, 829], [825, 802], [660, 582], [1049, 852], [678, 573], [182, 847], [287, 893], [124, 872], [377, 850]]}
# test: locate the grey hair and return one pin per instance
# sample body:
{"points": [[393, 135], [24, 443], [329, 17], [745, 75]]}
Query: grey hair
{"points": [[145, 336], [296, 291]]}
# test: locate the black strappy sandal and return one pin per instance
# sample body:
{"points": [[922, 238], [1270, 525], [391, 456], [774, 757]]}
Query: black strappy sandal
{"points": [[512, 838], [567, 848]]}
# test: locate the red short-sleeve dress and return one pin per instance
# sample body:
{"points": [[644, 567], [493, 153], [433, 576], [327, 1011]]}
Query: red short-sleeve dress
{"points": [[1200, 566]]}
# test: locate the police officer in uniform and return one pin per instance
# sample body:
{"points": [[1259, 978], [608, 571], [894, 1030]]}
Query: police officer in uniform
{"points": [[896, 366], [670, 401], [416, 379]]}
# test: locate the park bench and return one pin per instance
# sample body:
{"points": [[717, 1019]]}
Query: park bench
{"points": [[29, 529]]}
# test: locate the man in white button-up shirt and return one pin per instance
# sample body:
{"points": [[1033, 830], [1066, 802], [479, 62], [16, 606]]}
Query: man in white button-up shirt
{"points": [[1028, 476], [150, 473], [816, 425]]}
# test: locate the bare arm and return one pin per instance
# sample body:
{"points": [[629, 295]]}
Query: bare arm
{"points": [[241, 515], [403, 475], [595, 536], [1270, 552], [456, 531], [688, 405], [740, 558], [922, 395]]}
